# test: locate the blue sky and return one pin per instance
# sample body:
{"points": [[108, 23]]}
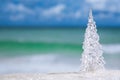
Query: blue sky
{"points": [[58, 12]]}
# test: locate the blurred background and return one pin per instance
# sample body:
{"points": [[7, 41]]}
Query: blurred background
{"points": [[43, 36]]}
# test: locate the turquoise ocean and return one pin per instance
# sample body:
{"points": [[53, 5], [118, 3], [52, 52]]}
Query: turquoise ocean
{"points": [[52, 50]]}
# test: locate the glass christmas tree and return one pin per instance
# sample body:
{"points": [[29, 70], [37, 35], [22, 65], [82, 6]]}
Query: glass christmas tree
{"points": [[92, 58]]}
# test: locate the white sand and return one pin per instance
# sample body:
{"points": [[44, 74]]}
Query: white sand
{"points": [[99, 75]]}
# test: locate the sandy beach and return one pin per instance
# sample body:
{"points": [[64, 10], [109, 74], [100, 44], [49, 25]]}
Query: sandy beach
{"points": [[99, 75]]}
